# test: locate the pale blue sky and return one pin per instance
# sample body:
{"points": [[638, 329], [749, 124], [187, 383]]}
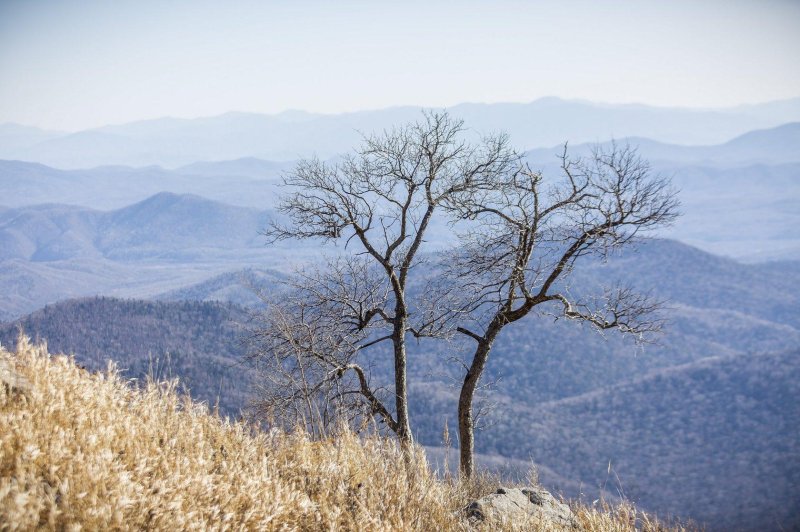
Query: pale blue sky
{"points": [[76, 64]]}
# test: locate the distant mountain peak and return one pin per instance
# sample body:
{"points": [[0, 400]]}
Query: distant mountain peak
{"points": [[167, 199], [253, 167]]}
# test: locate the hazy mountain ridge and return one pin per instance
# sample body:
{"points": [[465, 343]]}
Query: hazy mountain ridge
{"points": [[240, 287], [719, 186], [294, 135], [251, 167], [113, 187], [683, 274], [183, 223], [164, 223], [202, 235], [53, 252], [750, 212], [27, 286], [18, 137], [777, 145]]}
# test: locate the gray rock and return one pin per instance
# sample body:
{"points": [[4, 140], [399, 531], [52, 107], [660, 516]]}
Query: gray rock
{"points": [[534, 507]]}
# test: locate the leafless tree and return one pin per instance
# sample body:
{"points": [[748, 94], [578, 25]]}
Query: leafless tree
{"points": [[522, 238], [380, 202], [306, 346]]}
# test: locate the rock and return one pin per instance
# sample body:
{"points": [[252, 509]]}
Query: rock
{"points": [[535, 507]]}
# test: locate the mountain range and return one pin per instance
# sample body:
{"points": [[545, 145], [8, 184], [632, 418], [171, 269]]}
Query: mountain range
{"points": [[173, 142], [773, 146], [51, 252], [753, 178], [170, 240], [239, 182], [181, 226]]}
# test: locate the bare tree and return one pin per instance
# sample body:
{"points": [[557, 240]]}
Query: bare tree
{"points": [[380, 202], [521, 237], [525, 237], [307, 344]]}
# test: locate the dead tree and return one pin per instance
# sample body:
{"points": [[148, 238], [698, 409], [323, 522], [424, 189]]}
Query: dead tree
{"points": [[379, 202], [523, 237]]}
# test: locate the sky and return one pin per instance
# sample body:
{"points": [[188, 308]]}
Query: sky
{"points": [[71, 65]]}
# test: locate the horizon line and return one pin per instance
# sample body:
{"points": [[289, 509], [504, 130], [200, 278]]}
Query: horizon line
{"points": [[401, 106]]}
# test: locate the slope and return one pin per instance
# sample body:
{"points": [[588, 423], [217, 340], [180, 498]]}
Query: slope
{"points": [[197, 342], [89, 451], [717, 440], [179, 227], [240, 287]]}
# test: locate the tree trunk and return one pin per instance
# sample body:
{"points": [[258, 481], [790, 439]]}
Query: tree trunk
{"points": [[401, 383], [466, 424]]}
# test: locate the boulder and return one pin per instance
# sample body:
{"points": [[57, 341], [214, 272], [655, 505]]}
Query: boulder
{"points": [[534, 507]]}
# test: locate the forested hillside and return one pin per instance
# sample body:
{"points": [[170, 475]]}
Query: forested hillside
{"points": [[717, 439], [199, 343], [242, 287]]}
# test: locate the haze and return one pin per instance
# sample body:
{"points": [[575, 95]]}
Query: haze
{"points": [[70, 66]]}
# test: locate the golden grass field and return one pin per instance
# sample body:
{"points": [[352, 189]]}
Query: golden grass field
{"points": [[94, 452]]}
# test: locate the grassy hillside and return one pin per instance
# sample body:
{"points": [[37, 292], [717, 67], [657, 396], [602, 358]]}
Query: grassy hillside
{"points": [[82, 450]]}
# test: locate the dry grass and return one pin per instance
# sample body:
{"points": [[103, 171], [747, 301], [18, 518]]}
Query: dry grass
{"points": [[91, 451]]}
